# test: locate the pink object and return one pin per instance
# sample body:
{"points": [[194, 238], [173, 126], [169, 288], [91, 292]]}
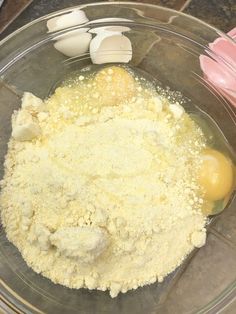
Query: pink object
{"points": [[222, 72], [232, 33]]}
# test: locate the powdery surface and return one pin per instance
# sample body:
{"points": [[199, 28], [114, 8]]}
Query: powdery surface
{"points": [[103, 197]]}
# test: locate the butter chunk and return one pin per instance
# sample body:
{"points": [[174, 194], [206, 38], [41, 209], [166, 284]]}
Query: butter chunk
{"points": [[32, 103], [198, 238], [25, 127], [176, 110]]}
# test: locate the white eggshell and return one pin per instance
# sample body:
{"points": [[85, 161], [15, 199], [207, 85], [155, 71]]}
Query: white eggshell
{"points": [[76, 17], [71, 33], [108, 47], [74, 43], [112, 28]]}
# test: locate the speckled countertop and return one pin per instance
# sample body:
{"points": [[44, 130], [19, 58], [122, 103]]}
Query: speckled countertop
{"points": [[219, 13]]}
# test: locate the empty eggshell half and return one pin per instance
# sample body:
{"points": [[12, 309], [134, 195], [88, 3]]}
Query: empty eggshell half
{"points": [[76, 17], [74, 43], [109, 47], [112, 28]]}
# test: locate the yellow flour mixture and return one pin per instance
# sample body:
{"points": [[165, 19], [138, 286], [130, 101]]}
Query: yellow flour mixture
{"points": [[100, 188]]}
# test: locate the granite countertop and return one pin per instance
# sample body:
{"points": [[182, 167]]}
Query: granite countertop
{"points": [[219, 13]]}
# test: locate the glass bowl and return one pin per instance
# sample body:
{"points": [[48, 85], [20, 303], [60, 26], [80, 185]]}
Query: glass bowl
{"points": [[166, 45]]}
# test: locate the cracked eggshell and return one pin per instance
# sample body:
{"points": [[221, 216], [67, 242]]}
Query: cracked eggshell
{"points": [[76, 17], [109, 47], [112, 28], [74, 43]]}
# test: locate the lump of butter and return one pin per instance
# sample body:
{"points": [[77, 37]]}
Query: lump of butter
{"points": [[85, 243], [177, 110], [24, 126], [32, 103], [198, 238]]}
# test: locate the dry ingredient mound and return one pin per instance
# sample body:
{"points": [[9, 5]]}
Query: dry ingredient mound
{"points": [[100, 186]]}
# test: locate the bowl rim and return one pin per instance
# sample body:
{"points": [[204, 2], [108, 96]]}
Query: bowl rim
{"points": [[227, 296], [100, 3]]}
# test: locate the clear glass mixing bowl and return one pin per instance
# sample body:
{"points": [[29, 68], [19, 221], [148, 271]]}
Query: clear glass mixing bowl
{"points": [[165, 44]]}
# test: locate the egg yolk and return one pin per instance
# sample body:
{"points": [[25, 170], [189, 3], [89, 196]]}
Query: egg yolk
{"points": [[114, 85], [216, 175], [208, 207]]}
